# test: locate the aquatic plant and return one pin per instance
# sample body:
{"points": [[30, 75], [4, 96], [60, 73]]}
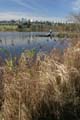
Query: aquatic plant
{"points": [[30, 53], [9, 60], [5, 51]]}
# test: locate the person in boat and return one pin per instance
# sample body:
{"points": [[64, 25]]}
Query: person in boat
{"points": [[50, 33]]}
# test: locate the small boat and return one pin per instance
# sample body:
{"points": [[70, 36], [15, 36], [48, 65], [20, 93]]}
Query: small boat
{"points": [[50, 34], [43, 35]]}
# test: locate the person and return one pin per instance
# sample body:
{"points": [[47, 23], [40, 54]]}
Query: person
{"points": [[50, 33]]}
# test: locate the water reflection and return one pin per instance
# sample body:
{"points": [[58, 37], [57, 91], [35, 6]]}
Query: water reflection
{"points": [[5, 42], [16, 42], [0, 41], [28, 41], [12, 43]]}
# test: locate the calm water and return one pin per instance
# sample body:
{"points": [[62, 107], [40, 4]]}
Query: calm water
{"points": [[17, 42]]}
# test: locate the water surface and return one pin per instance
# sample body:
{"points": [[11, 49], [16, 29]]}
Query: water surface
{"points": [[17, 42]]}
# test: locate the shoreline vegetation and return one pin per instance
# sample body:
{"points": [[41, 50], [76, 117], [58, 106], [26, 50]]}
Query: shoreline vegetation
{"points": [[70, 30], [41, 87]]}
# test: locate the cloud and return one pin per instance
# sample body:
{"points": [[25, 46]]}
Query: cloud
{"points": [[19, 15], [23, 3], [33, 5], [9, 15], [76, 5]]}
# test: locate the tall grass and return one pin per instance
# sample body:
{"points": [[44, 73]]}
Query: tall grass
{"points": [[47, 90]]}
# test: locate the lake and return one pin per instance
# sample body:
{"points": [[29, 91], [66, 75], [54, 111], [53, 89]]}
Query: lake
{"points": [[17, 42]]}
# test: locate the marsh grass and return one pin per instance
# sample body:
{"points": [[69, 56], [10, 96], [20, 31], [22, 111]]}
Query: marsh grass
{"points": [[8, 27], [44, 87]]}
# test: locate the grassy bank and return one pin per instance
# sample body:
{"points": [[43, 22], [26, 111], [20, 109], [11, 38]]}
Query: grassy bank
{"points": [[37, 28], [68, 35], [42, 87], [8, 28]]}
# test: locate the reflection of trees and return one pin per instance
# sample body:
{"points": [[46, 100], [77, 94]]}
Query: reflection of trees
{"points": [[0, 41], [12, 42], [5, 42], [28, 41]]}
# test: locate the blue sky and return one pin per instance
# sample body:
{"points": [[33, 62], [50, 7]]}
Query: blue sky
{"points": [[38, 9]]}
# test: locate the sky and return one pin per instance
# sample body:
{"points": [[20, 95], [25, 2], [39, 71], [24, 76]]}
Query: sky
{"points": [[38, 9]]}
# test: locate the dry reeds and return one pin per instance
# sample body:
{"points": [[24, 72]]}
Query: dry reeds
{"points": [[48, 90]]}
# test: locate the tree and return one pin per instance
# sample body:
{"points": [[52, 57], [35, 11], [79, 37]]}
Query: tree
{"points": [[28, 23], [75, 17]]}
